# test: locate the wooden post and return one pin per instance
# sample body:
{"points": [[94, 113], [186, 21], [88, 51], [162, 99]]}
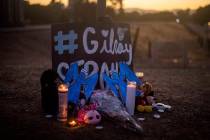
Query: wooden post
{"points": [[208, 37], [205, 37], [185, 57], [71, 6], [149, 49], [101, 8], [135, 41]]}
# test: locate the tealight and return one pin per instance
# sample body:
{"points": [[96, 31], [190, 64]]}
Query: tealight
{"points": [[72, 123]]}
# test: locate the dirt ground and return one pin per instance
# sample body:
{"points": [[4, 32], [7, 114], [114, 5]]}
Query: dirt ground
{"points": [[25, 55]]}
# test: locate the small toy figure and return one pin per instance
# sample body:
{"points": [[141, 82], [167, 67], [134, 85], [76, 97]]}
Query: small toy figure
{"points": [[146, 99], [88, 115], [146, 108], [160, 107], [92, 117]]}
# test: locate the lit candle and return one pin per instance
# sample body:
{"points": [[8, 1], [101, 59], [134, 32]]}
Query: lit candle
{"points": [[62, 96], [63, 88], [130, 98], [140, 74], [72, 123]]}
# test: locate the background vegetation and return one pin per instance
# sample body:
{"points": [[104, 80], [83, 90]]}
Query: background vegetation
{"points": [[86, 11]]}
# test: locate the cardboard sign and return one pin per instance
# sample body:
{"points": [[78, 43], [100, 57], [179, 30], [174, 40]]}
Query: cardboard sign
{"points": [[97, 47]]}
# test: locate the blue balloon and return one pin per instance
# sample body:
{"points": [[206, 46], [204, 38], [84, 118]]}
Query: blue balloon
{"points": [[119, 81], [72, 73], [77, 80], [127, 73], [111, 84]]}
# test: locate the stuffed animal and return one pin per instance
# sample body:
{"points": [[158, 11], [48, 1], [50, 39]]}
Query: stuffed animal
{"points": [[146, 108], [146, 99], [92, 117], [89, 115]]}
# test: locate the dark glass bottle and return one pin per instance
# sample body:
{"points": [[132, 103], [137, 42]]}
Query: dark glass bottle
{"points": [[49, 92]]}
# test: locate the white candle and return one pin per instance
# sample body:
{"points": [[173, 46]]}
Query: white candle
{"points": [[130, 98], [63, 104]]}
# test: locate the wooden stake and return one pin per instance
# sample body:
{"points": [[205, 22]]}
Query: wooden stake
{"points": [[101, 8]]}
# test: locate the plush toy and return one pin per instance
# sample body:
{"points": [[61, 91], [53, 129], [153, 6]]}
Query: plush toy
{"points": [[89, 115], [92, 117], [146, 108], [161, 107], [145, 101]]}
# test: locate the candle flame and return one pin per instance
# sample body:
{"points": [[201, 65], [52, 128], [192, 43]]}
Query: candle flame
{"points": [[132, 84], [62, 88], [140, 74], [73, 123]]}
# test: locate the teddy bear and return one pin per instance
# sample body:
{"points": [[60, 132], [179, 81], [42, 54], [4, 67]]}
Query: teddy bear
{"points": [[146, 99]]}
